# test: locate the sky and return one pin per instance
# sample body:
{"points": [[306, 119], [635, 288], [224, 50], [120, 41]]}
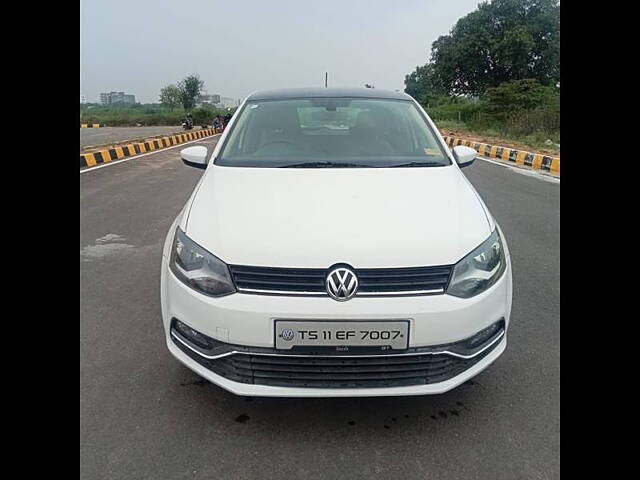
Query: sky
{"points": [[241, 46]]}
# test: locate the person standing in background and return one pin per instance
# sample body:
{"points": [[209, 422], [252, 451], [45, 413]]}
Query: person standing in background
{"points": [[226, 119]]}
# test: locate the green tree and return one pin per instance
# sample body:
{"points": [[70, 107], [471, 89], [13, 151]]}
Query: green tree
{"points": [[170, 96], [190, 88], [502, 40], [524, 106], [422, 85], [525, 94]]}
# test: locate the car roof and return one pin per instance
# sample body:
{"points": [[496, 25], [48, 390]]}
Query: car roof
{"points": [[290, 93]]}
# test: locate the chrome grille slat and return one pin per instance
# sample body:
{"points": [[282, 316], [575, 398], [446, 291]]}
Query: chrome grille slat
{"points": [[403, 281]]}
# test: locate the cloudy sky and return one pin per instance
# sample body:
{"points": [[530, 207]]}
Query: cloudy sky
{"points": [[239, 46]]}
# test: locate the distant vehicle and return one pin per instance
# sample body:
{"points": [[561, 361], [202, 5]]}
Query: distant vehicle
{"points": [[187, 123], [315, 260]]}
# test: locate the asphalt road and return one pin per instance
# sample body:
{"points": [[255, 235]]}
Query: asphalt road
{"points": [[102, 135], [145, 416]]}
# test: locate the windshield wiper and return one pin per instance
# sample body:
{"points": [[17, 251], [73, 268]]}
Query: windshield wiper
{"points": [[325, 165], [417, 164]]}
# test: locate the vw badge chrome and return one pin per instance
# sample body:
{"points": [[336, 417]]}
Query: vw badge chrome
{"points": [[342, 284], [287, 334]]}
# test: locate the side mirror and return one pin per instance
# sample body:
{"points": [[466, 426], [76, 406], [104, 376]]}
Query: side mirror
{"points": [[195, 156], [464, 155]]}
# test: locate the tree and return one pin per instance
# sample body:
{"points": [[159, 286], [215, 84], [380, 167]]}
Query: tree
{"points": [[170, 96], [190, 88], [525, 94], [422, 85], [502, 40]]}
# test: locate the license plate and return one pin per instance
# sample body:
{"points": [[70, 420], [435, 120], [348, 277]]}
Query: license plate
{"points": [[342, 335]]}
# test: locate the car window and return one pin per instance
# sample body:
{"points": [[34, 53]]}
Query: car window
{"points": [[331, 132]]}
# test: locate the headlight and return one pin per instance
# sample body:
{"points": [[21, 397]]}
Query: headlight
{"points": [[198, 268], [480, 269]]}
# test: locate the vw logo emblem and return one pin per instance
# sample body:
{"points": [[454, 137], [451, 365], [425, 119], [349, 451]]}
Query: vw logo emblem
{"points": [[342, 284], [287, 334]]}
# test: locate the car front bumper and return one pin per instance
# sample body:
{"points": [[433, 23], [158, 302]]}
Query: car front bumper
{"points": [[247, 320]]}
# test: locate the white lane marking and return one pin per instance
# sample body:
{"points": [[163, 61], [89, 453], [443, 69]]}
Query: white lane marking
{"points": [[145, 154], [523, 171]]}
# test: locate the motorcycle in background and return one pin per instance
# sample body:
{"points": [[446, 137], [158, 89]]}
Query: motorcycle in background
{"points": [[187, 123]]}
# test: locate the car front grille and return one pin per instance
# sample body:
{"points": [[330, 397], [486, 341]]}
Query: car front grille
{"points": [[340, 372], [420, 366], [311, 281]]}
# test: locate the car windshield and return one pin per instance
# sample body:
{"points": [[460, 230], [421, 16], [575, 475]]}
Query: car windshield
{"points": [[331, 133]]}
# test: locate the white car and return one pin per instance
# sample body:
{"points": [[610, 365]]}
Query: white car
{"points": [[332, 248]]}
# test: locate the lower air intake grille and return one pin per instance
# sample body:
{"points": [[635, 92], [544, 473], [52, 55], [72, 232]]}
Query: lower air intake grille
{"points": [[326, 372], [269, 367]]}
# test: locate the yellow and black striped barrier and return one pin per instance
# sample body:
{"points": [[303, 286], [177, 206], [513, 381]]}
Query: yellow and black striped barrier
{"points": [[122, 151], [519, 157], [92, 125]]}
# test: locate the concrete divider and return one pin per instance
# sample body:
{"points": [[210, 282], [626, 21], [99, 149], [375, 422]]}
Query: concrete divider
{"points": [[92, 125], [122, 151], [519, 157]]}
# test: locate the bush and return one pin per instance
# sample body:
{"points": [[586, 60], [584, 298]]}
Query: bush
{"points": [[204, 115], [527, 122], [453, 108], [521, 109], [518, 96], [148, 115]]}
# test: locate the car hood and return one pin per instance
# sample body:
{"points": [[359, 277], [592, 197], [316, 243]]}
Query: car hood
{"points": [[314, 218]]}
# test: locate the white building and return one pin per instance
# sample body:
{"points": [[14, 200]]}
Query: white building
{"points": [[117, 97], [206, 99], [83, 99]]}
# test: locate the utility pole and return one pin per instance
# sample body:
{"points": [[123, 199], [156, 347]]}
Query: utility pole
{"points": [[326, 76]]}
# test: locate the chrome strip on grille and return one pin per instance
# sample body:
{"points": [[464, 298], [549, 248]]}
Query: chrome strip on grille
{"points": [[372, 282], [398, 293], [281, 292], [441, 352], [324, 294]]}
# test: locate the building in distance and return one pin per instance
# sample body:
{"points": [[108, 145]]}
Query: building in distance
{"points": [[114, 98], [206, 99], [227, 102]]}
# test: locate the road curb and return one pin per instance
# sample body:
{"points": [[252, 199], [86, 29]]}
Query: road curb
{"points": [[536, 161], [92, 125], [123, 151]]}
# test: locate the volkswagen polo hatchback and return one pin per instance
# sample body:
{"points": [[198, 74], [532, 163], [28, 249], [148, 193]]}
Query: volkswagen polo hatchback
{"points": [[333, 247]]}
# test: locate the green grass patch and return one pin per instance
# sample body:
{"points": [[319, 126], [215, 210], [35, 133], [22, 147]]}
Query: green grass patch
{"points": [[145, 115], [536, 141]]}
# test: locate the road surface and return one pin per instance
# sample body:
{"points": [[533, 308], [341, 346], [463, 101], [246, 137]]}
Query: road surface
{"points": [[145, 416]]}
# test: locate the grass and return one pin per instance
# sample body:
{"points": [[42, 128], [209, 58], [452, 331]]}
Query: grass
{"points": [[534, 142], [145, 115]]}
